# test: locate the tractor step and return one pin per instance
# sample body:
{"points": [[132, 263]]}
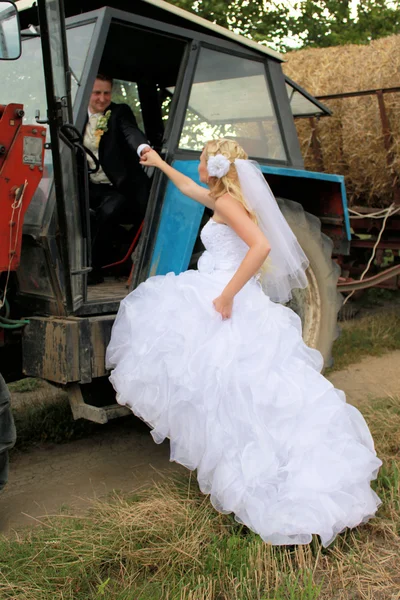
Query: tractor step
{"points": [[97, 414]]}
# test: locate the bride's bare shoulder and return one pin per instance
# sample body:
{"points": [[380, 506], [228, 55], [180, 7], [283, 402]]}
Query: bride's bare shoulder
{"points": [[228, 206]]}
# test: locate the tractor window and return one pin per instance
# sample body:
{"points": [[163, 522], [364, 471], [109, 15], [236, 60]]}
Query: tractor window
{"points": [[78, 40], [24, 83], [302, 104], [230, 97], [23, 80], [145, 65], [127, 92]]}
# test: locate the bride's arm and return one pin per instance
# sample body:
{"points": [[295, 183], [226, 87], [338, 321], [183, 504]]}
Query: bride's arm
{"points": [[231, 212], [186, 185]]}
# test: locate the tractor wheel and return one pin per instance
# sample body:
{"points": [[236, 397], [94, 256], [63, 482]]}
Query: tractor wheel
{"points": [[318, 305]]}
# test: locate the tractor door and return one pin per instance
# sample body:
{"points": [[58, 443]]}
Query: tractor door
{"points": [[70, 240]]}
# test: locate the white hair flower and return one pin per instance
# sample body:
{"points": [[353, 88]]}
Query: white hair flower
{"points": [[218, 166]]}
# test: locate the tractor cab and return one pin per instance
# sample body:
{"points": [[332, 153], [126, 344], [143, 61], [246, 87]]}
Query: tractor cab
{"points": [[186, 81]]}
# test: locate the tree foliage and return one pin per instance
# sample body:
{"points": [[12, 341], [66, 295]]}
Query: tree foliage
{"points": [[257, 19], [305, 23], [323, 23]]}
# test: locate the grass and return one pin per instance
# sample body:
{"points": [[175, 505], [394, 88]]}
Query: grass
{"points": [[22, 386], [48, 422], [168, 543], [372, 335]]}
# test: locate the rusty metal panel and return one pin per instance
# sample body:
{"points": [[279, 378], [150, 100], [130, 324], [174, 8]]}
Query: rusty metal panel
{"points": [[50, 349], [66, 349], [100, 333]]}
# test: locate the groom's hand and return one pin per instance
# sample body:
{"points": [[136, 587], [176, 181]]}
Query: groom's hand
{"points": [[145, 151]]}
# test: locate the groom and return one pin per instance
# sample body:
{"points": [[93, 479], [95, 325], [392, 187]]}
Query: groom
{"points": [[118, 191]]}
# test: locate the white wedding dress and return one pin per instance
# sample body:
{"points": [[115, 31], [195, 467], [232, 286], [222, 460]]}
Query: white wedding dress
{"points": [[243, 401]]}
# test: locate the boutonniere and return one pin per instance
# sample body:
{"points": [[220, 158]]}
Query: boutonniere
{"points": [[102, 126]]}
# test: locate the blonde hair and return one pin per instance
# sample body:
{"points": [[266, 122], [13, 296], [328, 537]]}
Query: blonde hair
{"points": [[229, 183]]}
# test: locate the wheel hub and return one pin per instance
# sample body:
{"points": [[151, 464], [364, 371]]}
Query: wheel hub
{"points": [[307, 304]]}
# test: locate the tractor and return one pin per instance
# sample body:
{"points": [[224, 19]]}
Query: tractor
{"points": [[195, 81]]}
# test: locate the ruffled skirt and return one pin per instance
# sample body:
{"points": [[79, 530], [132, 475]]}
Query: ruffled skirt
{"points": [[244, 403]]}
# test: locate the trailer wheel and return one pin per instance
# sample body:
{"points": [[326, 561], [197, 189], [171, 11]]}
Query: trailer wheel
{"points": [[318, 305]]}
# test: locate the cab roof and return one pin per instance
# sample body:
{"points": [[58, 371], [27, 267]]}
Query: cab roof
{"points": [[158, 9]]}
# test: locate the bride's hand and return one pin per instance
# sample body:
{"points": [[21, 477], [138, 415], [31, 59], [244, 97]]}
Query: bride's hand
{"points": [[150, 158], [224, 306]]}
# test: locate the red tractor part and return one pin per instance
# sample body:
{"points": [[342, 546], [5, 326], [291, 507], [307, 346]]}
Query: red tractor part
{"points": [[21, 169]]}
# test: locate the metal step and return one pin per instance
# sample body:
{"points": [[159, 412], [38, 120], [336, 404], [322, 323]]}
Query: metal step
{"points": [[97, 414]]}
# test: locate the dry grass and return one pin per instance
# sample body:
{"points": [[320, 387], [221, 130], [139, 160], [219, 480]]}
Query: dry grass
{"points": [[47, 422], [352, 140], [168, 543]]}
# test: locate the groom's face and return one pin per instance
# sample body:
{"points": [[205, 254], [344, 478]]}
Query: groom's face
{"points": [[100, 99]]}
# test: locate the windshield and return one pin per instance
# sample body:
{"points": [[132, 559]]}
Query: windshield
{"points": [[230, 97]]}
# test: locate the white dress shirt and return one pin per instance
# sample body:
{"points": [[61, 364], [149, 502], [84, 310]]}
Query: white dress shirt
{"points": [[142, 147], [90, 140]]}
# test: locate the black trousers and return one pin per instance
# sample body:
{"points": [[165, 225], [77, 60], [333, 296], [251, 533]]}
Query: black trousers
{"points": [[7, 431], [109, 208]]}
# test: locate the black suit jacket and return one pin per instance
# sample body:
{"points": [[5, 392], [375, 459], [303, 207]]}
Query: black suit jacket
{"points": [[118, 155]]}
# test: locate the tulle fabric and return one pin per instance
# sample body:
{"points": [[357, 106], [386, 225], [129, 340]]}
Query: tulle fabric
{"points": [[286, 265], [243, 402]]}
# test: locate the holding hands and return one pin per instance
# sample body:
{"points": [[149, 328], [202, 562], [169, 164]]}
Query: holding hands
{"points": [[150, 158]]}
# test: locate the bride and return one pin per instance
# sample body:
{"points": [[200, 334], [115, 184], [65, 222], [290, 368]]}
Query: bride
{"points": [[212, 360]]}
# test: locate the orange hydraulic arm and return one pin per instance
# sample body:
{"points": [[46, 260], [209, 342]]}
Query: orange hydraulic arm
{"points": [[21, 169]]}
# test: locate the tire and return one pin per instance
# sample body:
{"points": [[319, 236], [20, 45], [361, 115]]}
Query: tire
{"points": [[318, 305]]}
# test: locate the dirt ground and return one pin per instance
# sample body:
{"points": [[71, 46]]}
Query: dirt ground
{"points": [[44, 480], [124, 457], [372, 377]]}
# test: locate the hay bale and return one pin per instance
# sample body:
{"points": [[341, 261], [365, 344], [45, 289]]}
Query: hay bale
{"points": [[352, 141]]}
